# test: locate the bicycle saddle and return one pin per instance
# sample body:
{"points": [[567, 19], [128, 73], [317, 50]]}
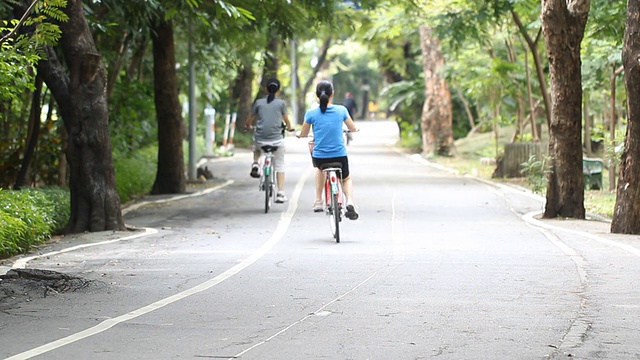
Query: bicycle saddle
{"points": [[332, 165], [269, 148]]}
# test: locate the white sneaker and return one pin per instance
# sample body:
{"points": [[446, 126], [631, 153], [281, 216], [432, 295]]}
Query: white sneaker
{"points": [[255, 170], [281, 198], [317, 206]]}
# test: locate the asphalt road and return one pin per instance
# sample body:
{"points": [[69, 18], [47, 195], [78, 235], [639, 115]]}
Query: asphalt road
{"points": [[439, 265]]}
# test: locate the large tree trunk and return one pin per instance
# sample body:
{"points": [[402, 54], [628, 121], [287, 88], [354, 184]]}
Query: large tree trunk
{"points": [[563, 27], [32, 138], [271, 63], [626, 217], [302, 93], [437, 120], [82, 101], [244, 92], [170, 176]]}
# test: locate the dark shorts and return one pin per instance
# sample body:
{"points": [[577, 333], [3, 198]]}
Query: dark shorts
{"points": [[317, 162]]}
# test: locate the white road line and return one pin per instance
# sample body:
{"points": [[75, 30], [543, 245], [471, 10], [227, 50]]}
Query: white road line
{"points": [[283, 224], [397, 232], [22, 263], [179, 197], [319, 312], [398, 257], [628, 248]]}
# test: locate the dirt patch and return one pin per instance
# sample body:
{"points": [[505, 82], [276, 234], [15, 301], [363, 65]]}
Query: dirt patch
{"points": [[19, 285]]}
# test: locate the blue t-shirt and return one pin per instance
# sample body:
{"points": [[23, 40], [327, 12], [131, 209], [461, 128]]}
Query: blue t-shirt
{"points": [[327, 131]]}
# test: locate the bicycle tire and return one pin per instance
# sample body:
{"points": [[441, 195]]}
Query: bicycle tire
{"points": [[335, 216], [268, 190]]}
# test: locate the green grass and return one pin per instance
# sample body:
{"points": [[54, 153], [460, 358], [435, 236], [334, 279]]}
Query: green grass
{"points": [[472, 149]]}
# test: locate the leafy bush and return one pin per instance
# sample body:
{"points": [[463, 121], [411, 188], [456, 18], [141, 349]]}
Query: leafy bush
{"points": [[59, 206], [13, 236], [29, 217], [535, 170], [136, 173]]}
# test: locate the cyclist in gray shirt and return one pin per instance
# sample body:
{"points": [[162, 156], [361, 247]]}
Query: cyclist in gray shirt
{"points": [[270, 117]]}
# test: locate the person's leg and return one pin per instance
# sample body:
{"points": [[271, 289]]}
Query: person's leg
{"points": [[255, 166], [319, 175], [347, 189], [279, 167], [280, 181], [319, 185]]}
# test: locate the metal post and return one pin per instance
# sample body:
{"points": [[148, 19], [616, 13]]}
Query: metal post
{"points": [[294, 82], [225, 134], [192, 110], [232, 129], [210, 134]]}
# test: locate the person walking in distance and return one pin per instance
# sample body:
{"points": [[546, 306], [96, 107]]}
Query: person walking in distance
{"points": [[271, 119], [350, 104], [326, 121]]}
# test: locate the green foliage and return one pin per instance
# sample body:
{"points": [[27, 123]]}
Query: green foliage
{"points": [[29, 217], [13, 235], [21, 50], [535, 171], [132, 121], [136, 173], [410, 136]]}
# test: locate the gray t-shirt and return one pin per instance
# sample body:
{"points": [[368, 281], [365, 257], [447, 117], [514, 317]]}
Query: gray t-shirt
{"points": [[269, 122]]}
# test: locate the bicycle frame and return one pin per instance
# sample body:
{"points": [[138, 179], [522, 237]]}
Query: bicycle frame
{"points": [[268, 177]]}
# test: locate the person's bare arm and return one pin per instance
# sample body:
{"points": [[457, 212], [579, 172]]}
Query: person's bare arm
{"points": [[350, 124], [287, 122], [305, 130], [249, 123]]}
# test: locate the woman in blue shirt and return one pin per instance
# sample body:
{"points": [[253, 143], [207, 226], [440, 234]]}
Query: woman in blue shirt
{"points": [[326, 122]]}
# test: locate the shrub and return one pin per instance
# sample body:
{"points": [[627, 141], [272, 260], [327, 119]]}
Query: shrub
{"points": [[135, 174], [29, 217], [58, 205], [13, 236], [536, 170]]}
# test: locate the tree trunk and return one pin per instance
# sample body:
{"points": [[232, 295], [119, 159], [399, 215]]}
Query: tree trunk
{"points": [[271, 64], [626, 216], [437, 119], [170, 175], [563, 27], [587, 127], [244, 92], [32, 138], [302, 93], [613, 120], [82, 101], [533, 46]]}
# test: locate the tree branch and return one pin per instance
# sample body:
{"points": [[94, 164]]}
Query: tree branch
{"points": [[20, 23]]}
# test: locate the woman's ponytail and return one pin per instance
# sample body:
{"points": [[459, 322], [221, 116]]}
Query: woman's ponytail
{"points": [[273, 85], [324, 90], [324, 102]]}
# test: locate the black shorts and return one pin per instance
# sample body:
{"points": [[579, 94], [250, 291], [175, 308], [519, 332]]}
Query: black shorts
{"points": [[317, 162]]}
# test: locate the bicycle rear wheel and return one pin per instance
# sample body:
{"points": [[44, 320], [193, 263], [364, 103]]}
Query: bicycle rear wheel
{"points": [[334, 217], [268, 193]]}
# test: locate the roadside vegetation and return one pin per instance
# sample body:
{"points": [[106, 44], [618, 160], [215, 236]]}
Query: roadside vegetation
{"points": [[462, 79], [29, 217]]}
